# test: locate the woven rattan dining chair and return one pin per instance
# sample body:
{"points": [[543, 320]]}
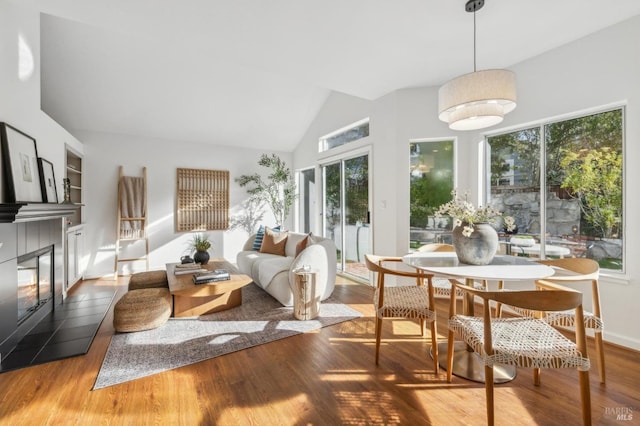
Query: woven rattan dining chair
{"points": [[567, 272], [441, 286], [523, 341], [413, 301]]}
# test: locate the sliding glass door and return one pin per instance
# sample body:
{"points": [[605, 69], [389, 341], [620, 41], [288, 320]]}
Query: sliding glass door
{"points": [[346, 211]]}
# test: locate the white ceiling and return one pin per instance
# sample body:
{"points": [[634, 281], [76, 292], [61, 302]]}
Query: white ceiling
{"points": [[255, 73]]}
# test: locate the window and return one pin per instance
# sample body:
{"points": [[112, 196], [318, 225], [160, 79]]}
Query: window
{"points": [[430, 184], [345, 135], [564, 180], [307, 200]]}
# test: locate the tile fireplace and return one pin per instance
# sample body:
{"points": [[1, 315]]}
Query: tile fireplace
{"points": [[31, 267]]}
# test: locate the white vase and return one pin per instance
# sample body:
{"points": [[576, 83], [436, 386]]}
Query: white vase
{"points": [[477, 249]]}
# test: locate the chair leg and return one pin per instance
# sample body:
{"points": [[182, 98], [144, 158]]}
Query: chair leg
{"points": [[450, 340], [488, 386], [422, 327], [600, 356], [536, 376], [585, 397], [434, 347], [378, 335], [498, 313]]}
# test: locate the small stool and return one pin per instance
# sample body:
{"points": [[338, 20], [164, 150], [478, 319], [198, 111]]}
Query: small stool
{"points": [[142, 309], [306, 303], [150, 279]]}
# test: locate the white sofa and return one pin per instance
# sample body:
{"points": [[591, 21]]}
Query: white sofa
{"points": [[274, 273]]}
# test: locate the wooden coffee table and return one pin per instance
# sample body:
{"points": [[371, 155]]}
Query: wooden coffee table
{"points": [[190, 299]]}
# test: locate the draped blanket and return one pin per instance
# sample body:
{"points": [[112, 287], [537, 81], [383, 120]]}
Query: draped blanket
{"points": [[132, 204]]}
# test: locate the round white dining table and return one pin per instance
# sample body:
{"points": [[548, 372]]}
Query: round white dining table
{"points": [[466, 363]]}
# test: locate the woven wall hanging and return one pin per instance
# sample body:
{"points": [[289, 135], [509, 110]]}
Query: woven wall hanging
{"points": [[202, 200]]}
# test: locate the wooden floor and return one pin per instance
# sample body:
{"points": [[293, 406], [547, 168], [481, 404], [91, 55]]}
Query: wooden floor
{"points": [[327, 377]]}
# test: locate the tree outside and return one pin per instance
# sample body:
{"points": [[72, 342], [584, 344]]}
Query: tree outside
{"points": [[430, 185], [595, 179], [356, 189], [333, 199], [585, 155]]}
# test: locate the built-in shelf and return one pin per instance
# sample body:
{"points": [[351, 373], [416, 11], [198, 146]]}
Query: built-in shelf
{"points": [[74, 174]]}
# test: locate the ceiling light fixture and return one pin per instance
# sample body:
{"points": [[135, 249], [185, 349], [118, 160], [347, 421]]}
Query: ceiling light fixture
{"points": [[479, 99]]}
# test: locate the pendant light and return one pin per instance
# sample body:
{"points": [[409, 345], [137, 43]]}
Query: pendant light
{"points": [[479, 99]]}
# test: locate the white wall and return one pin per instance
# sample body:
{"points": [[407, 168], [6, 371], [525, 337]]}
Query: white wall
{"points": [[342, 110], [20, 86], [589, 73], [104, 153]]}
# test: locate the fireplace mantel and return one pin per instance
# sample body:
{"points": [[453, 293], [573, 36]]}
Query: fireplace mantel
{"points": [[15, 213]]}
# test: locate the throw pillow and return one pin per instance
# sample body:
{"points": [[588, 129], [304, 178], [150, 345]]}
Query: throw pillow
{"points": [[314, 239], [274, 242], [302, 245], [257, 243], [259, 236]]}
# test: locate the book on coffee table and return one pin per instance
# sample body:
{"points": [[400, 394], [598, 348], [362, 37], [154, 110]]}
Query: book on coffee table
{"points": [[213, 276], [187, 266], [187, 271]]}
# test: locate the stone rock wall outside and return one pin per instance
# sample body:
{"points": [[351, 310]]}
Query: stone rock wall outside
{"points": [[562, 214]]}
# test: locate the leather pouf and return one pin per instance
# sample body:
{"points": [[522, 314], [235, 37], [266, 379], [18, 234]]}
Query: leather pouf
{"points": [[150, 279], [142, 309]]}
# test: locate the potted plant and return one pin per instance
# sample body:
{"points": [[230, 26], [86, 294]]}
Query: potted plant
{"points": [[201, 244], [278, 190]]}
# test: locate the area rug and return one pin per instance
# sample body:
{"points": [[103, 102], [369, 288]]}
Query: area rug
{"points": [[260, 319]]}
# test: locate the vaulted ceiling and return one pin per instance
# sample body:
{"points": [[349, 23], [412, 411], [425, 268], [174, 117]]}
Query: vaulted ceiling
{"points": [[254, 73]]}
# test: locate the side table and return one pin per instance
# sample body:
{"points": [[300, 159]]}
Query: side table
{"points": [[306, 303]]}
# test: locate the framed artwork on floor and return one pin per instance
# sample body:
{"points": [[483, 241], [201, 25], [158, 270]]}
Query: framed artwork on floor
{"points": [[20, 161], [47, 181]]}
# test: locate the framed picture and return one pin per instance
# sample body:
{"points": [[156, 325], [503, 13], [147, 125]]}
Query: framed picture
{"points": [[47, 181], [20, 160]]}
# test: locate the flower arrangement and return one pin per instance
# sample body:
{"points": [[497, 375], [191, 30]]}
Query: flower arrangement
{"points": [[509, 223], [464, 212]]}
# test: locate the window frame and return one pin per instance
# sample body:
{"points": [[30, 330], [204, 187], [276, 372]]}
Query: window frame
{"points": [[299, 181], [455, 169], [322, 141]]}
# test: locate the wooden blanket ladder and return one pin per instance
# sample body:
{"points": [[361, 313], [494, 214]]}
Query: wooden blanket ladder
{"points": [[131, 216]]}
